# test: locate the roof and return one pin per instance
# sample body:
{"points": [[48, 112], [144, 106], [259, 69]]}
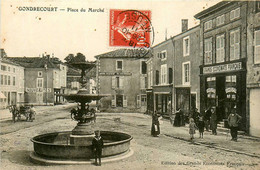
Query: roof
{"points": [[73, 71], [213, 8], [36, 62], [7, 61], [125, 53]]}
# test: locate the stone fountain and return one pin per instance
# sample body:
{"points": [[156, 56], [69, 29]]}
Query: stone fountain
{"points": [[74, 147]]}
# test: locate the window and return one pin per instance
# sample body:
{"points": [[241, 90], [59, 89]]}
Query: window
{"points": [[117, 82], [144, 68], [39, 83], [208, 25], [119, 65], [257, 47], [208, 51], [170, 75], [235, 44], [9, 68], [164, 74], [13, 81], [39, 73], [162, 55], [157, 77], [3, 68], [9, 80], [5, 78], [14, 70], [186, 46], [235, 14], [186, 73], [2, 79], [220, 20], [220, 49], [75, 85], [257, 6]]}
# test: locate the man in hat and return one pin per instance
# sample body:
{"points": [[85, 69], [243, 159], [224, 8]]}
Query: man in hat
{"points": [[233, 120], [97, 144]]}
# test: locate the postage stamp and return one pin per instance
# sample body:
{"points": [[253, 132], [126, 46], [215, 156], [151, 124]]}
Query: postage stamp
{"points": [[130, 28]]}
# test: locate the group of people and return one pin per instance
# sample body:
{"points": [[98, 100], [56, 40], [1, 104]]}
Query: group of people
{"points": [[199, 121], [208, 120]]}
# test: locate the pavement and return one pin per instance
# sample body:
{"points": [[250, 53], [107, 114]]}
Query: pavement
{"points": [[246, 145]]}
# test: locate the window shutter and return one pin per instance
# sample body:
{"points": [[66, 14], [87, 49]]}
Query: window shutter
{"points": [[257, 47], [124, 101], [113, 101], [138, 101], [121, 82], [113, 82]]}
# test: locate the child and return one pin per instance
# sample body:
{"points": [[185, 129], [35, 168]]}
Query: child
{"points": [[192, 128], [97, 144], [201, 126]]}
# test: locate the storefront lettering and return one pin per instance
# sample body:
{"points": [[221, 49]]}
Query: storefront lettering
{"points": [[222, 68], [34, 90]]}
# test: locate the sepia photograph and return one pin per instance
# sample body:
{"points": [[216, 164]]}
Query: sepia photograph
{"points": [[130, 84]]}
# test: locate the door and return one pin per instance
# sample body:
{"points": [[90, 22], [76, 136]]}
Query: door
{"points": [[193, 101], [119, 100], [39, 97], [221, 97]]}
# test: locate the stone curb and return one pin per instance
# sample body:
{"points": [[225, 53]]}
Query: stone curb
{"points": [[45, 161]]}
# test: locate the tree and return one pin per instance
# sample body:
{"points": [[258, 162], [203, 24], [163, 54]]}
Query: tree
{"points": [[79, 58], [69, 58]]}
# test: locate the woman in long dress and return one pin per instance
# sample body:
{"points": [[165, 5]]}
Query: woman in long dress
{"points": [[155, 130]]}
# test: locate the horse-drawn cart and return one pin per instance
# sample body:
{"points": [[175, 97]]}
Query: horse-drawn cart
{"points": [[23, 111]]}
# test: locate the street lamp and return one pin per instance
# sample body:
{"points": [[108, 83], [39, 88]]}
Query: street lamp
{"points": [[46, 67]]}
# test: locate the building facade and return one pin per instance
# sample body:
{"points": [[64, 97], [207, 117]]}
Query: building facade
{"points": [[173, 73], [223, 39], [44, 79], [122, 75], [253, 67], [11, 82]]}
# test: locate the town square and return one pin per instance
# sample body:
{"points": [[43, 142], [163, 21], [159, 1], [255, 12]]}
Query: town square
{"points": [[121, 85]]}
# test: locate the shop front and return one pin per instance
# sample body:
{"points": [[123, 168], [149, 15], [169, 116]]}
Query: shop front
{"points": [[150, 106], [224, 87], [163, 100]]}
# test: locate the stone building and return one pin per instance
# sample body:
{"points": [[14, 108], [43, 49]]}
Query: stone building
{"points": [[45, 78], [122, 75], [11, 81], [253, 67], [173, 73], [230, 60]]}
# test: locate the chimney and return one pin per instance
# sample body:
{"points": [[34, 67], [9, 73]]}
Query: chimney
{"points": [[184, 25]]}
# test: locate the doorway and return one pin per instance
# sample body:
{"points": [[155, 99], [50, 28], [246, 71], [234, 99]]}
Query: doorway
{"points": [[119, 100]]}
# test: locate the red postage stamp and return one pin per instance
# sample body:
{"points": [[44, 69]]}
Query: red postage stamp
{"points": [[130, 28]]}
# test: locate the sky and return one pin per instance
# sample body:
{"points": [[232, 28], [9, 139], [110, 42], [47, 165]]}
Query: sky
{"points": [[33, 33]]}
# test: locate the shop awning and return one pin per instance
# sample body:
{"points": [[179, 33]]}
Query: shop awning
{"points": [[2, 96]]}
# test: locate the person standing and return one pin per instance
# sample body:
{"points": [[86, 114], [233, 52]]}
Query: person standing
{"points": [[201, 126], [213, 121], [196, 116], [155, 130], [233, 120], [207, 116], [192, 128], [97, 145], [177, 119]]}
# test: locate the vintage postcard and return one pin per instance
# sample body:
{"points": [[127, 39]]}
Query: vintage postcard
{"points": [[146, 84]]}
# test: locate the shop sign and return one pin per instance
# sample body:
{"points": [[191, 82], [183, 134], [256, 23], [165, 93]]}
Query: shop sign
{"points": [[211, 90], [114, 74], [223, 68], [231, 90], [34, 90]]}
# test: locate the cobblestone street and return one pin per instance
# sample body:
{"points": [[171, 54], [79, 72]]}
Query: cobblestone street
{"points": [[171, 150]]}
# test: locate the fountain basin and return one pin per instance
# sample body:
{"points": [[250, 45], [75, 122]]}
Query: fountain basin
{"points": [[57, 145]]}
